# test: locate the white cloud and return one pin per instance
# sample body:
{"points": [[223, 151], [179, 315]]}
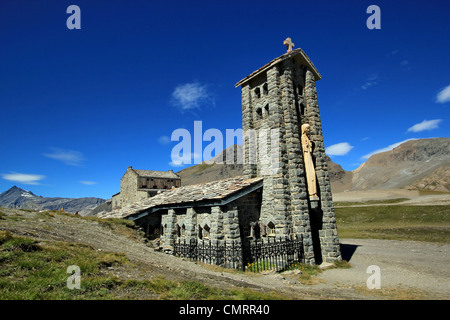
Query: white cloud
{"points": [[23, 178], [371, 81], [425, 125], [176, 164], [88, 183], [190, 95], [444, 95], [338, 149], [164, 140], [69, 157], [388, 148]]}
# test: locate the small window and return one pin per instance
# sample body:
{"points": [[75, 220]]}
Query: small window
{"points": [[257, 93], [265, 89], [206, 231], [300, 90], [270, 229], [266, 110], [258, 113]]}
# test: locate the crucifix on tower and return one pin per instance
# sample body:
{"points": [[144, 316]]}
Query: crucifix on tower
{"points": [[289, 44]]}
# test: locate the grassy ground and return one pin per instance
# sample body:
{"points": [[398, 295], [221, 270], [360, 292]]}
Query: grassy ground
{"points": [[394, 222], [38, 270]]}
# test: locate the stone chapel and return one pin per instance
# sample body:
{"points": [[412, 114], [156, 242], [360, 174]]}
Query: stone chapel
{"points": [[291, 200]]}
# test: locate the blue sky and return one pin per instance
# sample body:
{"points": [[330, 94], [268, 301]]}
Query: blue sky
{"points": [[79, 106]]}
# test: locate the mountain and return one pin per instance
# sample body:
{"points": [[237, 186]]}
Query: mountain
{"points": [[16, 197], [422, 164], [415, 164], [205, 172]]}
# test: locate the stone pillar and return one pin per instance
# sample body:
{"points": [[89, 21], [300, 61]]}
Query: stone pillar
{"points": [[232, 235], [170, 232], [216, 225], [247, 124], [191, 222], [324, 214]]}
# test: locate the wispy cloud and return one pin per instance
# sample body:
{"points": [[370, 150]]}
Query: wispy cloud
{"points": [[371, 81], [164, 140], [88, 183], [191, 95], [23, 178], [176, 164], [425, 125], [388, 148], [338, 149], [69, 157], [444, 95]]}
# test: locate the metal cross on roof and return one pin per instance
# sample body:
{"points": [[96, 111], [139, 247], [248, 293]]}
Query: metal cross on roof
{"points": [[289, 44]]}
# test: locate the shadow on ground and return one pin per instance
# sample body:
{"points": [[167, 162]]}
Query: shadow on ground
{"points": [[347, 251]]}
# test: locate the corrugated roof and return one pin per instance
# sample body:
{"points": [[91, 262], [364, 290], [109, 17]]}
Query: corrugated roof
{"points": [[191, 194]]}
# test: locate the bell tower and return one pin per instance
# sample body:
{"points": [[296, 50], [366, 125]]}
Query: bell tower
{"points": [[283, 143]]}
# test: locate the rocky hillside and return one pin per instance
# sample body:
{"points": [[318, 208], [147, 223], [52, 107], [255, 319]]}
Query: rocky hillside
{"points": [[204, 172], [18, 198], [217, 170], [417, 164]]}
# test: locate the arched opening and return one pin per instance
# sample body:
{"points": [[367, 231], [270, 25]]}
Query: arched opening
{"points": [[270, 229], [258, 113], [206, 231], [265, 89], [257, 93]]}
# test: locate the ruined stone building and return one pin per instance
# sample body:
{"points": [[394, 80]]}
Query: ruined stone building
{"points": [[285, 192], [137, 185]]}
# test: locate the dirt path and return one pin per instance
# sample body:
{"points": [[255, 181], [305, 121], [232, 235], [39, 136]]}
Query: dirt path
{"points": [[408, 269], [415, 197]]}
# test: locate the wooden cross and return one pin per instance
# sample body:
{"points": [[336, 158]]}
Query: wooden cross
{"points": [[289, 44]]}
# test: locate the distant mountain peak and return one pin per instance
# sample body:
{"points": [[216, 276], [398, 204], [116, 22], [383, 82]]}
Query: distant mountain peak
{"points": [[16, 197], [16, 190]]}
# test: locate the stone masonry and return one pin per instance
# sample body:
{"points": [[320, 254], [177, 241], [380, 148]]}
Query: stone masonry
{"points": [[272, 199], [281, 96]]}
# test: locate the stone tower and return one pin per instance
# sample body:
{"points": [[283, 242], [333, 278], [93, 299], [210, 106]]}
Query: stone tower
{"points": [[278, 100]]}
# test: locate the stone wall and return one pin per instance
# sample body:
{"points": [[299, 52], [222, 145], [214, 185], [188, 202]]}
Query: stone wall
{"points": [[283, 98], [215, 223]]}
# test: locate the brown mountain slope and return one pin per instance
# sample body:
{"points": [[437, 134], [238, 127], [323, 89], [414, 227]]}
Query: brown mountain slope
{"points": [[417, 164], [201, 173], [405, 166]]}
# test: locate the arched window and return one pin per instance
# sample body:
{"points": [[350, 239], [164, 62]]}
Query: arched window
{"points": [[258, 113], [270, 229], [265, 89], [266, 110], [257, 93], [206, 231]]}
